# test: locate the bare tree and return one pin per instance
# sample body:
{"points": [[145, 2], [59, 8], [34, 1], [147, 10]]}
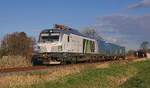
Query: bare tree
{"points": [[144, 46], [92, 32], [17, 44]]}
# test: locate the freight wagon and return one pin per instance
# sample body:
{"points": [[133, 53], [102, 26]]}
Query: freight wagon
{"points": [[62, 44]]}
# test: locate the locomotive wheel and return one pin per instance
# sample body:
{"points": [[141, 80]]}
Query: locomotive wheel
{"points": [[34, 62], [63, 63]]}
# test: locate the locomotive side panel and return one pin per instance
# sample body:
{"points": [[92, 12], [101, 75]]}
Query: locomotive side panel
{"points": [[65, 43], [78, 44], [72, 43]]}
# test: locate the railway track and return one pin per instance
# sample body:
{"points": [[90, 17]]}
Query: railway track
{"points": [[40, 69], [43, 69], [21, 69]]}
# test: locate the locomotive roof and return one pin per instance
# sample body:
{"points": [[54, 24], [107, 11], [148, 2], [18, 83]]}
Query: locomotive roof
{"points": [[72, 31]]}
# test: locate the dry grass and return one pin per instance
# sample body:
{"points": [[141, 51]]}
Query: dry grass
{"points": [[120, 62], [141, 59], [104, 65], [13, 61], [29, 79]]}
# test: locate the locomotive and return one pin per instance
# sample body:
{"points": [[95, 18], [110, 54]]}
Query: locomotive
{"points": [[63, 45]]}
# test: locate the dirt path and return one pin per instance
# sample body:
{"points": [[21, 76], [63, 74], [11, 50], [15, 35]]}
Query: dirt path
{"points": [[120, 62]]}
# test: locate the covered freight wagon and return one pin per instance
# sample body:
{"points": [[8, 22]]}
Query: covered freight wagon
{"points": [[101, 47], [110, 48]]}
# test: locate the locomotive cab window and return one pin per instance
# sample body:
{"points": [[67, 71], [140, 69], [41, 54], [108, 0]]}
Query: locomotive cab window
{"points": [[49, 37]]}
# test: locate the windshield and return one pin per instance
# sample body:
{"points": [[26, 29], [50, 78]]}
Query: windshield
{"points": [[49, 37]]}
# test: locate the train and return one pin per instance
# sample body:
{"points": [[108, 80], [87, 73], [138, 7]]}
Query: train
{"points": [[65, 45]]}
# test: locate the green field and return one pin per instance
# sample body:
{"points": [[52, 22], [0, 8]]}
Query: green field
{"points": [[134, 75], [141, 79]]}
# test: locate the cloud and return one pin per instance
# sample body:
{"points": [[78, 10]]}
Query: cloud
{"points": [[110, 39], [139, 5], [126, 24], [130, 29], [104, 28]]}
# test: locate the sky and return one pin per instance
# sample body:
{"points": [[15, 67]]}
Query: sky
{"points": [[124, 22]]}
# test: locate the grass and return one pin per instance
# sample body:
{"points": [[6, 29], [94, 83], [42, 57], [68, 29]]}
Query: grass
{"points": [[141, 80], [113, 77]]}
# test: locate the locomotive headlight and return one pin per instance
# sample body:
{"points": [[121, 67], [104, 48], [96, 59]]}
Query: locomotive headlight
{"points": [[44, 55]]}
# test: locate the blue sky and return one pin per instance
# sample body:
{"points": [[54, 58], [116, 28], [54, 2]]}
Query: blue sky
{"points": [[31, 16]]}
